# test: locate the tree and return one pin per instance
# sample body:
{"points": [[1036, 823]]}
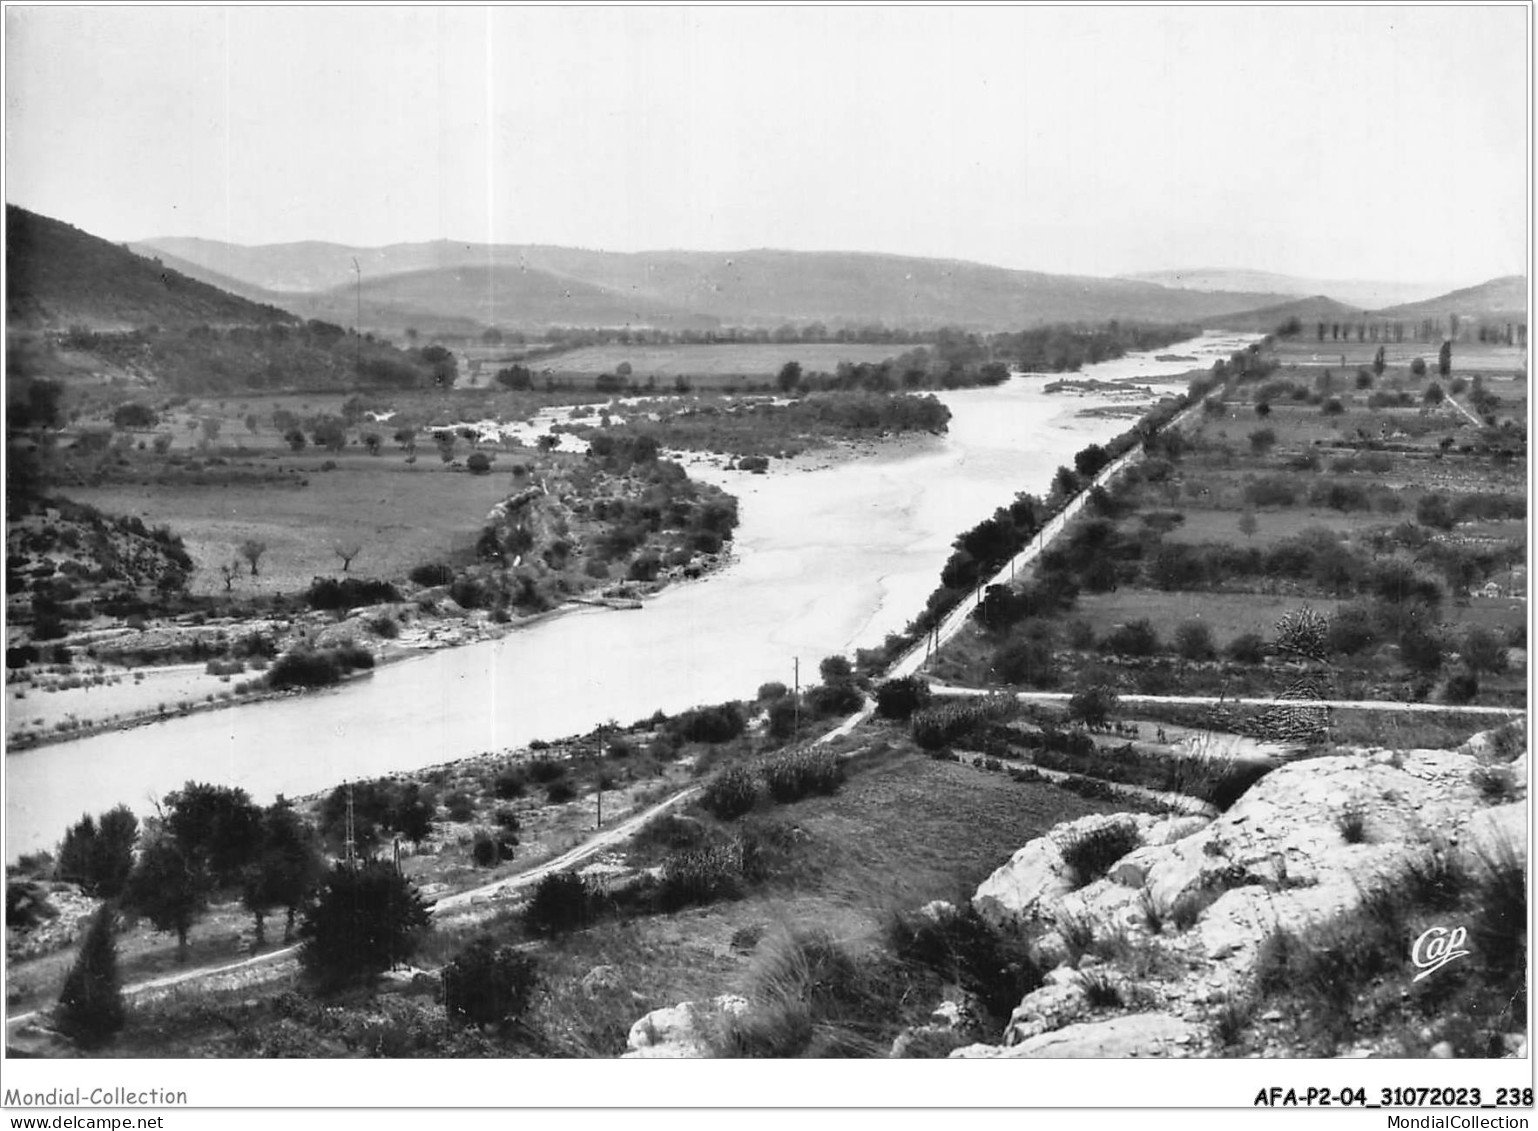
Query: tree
{"points": [[1434, 394], [1090, 459], [1445, 359], [790, 377], [1435, 510], [170, 888], [295, 440], [229, 570], [91, 1004], [98, 855], [1092, 705], [479, 463], [330, 432], [364, 921], [373, 443], [1418, 367], [210, 427], [1364, 379], [252, 550], [1248, 524], [288, 865], [487, 984], [445, 438], [347, 551], [1378, 362], [1263, 409], [217, 826]]}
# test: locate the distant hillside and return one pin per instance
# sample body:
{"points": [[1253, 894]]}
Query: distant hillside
{"points": [[58, 276], [673, 288], [1308, 311], [1367, 294], [1500, 300]]}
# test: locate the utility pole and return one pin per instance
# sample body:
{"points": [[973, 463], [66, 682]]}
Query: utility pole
{"points": [[796, 705], [357, 325], [349, 849], [600, 775]]}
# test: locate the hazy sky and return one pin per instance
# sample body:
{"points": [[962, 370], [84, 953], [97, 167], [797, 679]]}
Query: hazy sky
{"points": [[1386, 143]]}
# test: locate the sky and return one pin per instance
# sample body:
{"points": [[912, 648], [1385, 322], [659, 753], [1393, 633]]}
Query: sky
{"points": [[1334, 142]]}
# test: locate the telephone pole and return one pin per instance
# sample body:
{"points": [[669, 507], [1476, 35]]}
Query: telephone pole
{"points": [[357, 325]]}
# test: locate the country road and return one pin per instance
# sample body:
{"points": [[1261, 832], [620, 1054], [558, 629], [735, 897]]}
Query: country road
{"points": [[1231, 701]]}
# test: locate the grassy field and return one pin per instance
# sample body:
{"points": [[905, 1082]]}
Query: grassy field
{"points": [[402, 515]]}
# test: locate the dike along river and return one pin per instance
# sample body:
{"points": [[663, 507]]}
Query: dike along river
{"points": [[826, 561]]}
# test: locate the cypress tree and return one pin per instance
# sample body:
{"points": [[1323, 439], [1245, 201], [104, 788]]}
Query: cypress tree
{"points": [[91, 1005]]}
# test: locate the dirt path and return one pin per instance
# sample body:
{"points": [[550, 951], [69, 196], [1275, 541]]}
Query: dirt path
{"points": [[1230, 701]]}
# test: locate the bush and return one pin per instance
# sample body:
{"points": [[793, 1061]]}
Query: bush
{"points": [[365, 921], [560, 792], [720, 723], [900, 698], [964, 949], [510, 783], [697, 876], [484, 850], [1136, 638], [1247, 649], [1092, 705], [730, 793], [460, 805], [432, 574], [937, 727], [561, 902], [349, 593], [1090, 853], [800, 773], [1193, 640], [479, 463], [487, 984], [385, 626]]}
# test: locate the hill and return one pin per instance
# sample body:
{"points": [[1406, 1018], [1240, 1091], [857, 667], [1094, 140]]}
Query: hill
{"points": [[59, 276], [1367, 294], [662, 288], [1308, 311], [1502, 300]]}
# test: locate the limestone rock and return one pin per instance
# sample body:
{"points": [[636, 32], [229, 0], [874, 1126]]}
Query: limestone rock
{"points": [[1130, 1035], [1050, 1007], [680, 1031]]}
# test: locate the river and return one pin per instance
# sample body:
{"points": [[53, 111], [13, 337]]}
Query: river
{"points": [[826, 561]]}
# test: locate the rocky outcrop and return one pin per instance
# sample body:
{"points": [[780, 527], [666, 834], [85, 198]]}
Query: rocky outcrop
{"points": [[680, 1031], [1194, 899], [1130, 1035]]}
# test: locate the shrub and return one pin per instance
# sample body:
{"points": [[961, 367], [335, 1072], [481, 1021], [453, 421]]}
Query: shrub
{"points": [[800, 773], [432, 574], [1092, 705], [365, 920], [1101, 991], [560, 792], [1136, 638], [349, 593], [479, 463], [1247, 649], [1352, 823], [385, 626], [1193, 640], [936, 727], [899, 698], [561, 902], [460, 805], [730, 793], [487, 984], [769, 692], [510, 783], [697, 876], [1090, 853], [720, 723], [965, 949]]}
